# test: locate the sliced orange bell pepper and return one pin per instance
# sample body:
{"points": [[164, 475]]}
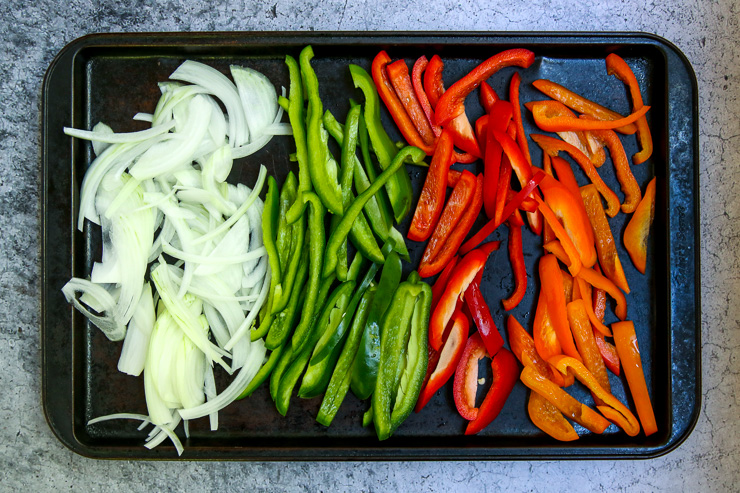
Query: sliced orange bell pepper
{"points": [[547, 117], [547, 418], [585, 287], [565, 403], [552, 285], [637, 230], [616, 66], [613, 409], [568, 286], [574, 259], [552, 146], [545, 338], [605, 246], [581, 104], [523, 346], [598, 281], [629, 353], [630, 188], [583, 334], [565, 175]]}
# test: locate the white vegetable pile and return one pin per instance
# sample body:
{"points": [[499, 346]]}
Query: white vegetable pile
{"points": [[163, 191]]}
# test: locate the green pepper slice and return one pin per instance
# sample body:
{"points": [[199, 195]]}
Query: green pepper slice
{"points": [[270, 216], [284, 321]]}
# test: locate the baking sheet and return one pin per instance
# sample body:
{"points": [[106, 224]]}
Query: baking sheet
{"points": [[110, 77]]}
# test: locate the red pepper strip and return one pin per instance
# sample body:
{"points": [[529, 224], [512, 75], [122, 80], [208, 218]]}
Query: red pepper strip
{"points": [[465, 386], [432, 198], [488, 97], [464, 158], [521, 138], [549, 419], [637, 230], [398, 73], [527, 205], [516, 256], [482, 317], [501, 114], [552, 285], [462, 133], [581, 104], [433, 85], [488, 248], [613, 409], [616, 66], [598, 281], [565, 175], [434, 264], [549, 122], [441, 283], [481, 132], [462, 276], [626, 342], [566, 404], [421, 96], [570, 210], [502, 191], [583, 334], [453, 176], [449, 357], [394, 105], [457, 204], [595, 322], [630, 188], [608, 352], [505, 373], [552, 146], [491, 225], [452, 102], [574, 259]]}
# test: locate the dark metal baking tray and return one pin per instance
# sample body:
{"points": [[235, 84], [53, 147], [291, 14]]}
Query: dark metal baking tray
{"points": [[110, 77]]}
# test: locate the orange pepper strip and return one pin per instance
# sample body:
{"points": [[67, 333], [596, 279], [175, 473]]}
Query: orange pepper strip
{"points": [[574, 259], [545, 339], [598, 281], [629, 422], [547, 118], [567, 286], [565, 175], [523, 347], [616, 66], [547, 418], [566, 404], [556, 248], [605, 244], [599, 297], [626, 342], [552, 285], [595, 149], [584, 287], [581, 104], [583, 334], [630, 188], [637, 230], [552, 146]]}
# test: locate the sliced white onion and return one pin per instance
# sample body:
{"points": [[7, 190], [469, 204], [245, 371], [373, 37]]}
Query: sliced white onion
{"points": [[108, 321]]}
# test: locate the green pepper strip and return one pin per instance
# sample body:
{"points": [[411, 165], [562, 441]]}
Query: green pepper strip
{"points": [[346, 136], [321, 166], [330, 339], [264, 372], [269, 232], [318, 373], [358, 262], [414, 154], [399, 188], [291, 235], [329, 314], [284, 238], [284, 321], [316, 260], [297, 116], [365, 367], [340, 379], [367, 417]]}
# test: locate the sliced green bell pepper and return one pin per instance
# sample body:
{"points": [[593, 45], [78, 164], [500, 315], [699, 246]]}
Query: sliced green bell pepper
{"points": [[284, 321]]}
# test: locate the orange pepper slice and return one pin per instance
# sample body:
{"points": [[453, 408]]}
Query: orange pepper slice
{"points": [[637, 230], [548, 116], [630, 188], [583, 334], [598, 281], [552, 285], [547, 418]]}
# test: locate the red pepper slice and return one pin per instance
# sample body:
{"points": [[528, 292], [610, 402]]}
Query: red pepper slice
{"points": [[608, 352], [499, 117], [616, 66], [432, 198], [481, 315], [481, 131], [436, 257], [416, 74], [433, 84], [488, 97], [448, 359], [462, 276], [452, 102], [398, 73], [521, 138], [463, 135], [502, 191], [547, 116], [505, 374], [441, 283], [516, 256], [453, 176], [394, 105]]}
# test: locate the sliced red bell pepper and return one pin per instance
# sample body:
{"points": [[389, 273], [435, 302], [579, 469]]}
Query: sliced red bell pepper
{"points": [[502, 190], [481, 131], [481, 315], [629, 353], [552, 146], [505, 373], [433, 84], [441, 283], [616, 66], [630, 188], [463, 135], [448, 359], [462, 276], [416, 80], [581, 104], [608, 352], [452, 102], [432, 198], [433, 262], [393, 103], [521, 138], [499, 118], [398, 74], [516, 257], [552, 285], [637, 230], [488, 97], [547, 117], [453, 176], [465, 386]]}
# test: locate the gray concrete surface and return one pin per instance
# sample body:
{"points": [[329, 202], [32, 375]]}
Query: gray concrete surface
{"points": [[33, 32]]}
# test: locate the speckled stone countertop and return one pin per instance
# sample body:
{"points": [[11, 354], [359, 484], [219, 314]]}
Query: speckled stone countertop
{"points": [[32, 459]]}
